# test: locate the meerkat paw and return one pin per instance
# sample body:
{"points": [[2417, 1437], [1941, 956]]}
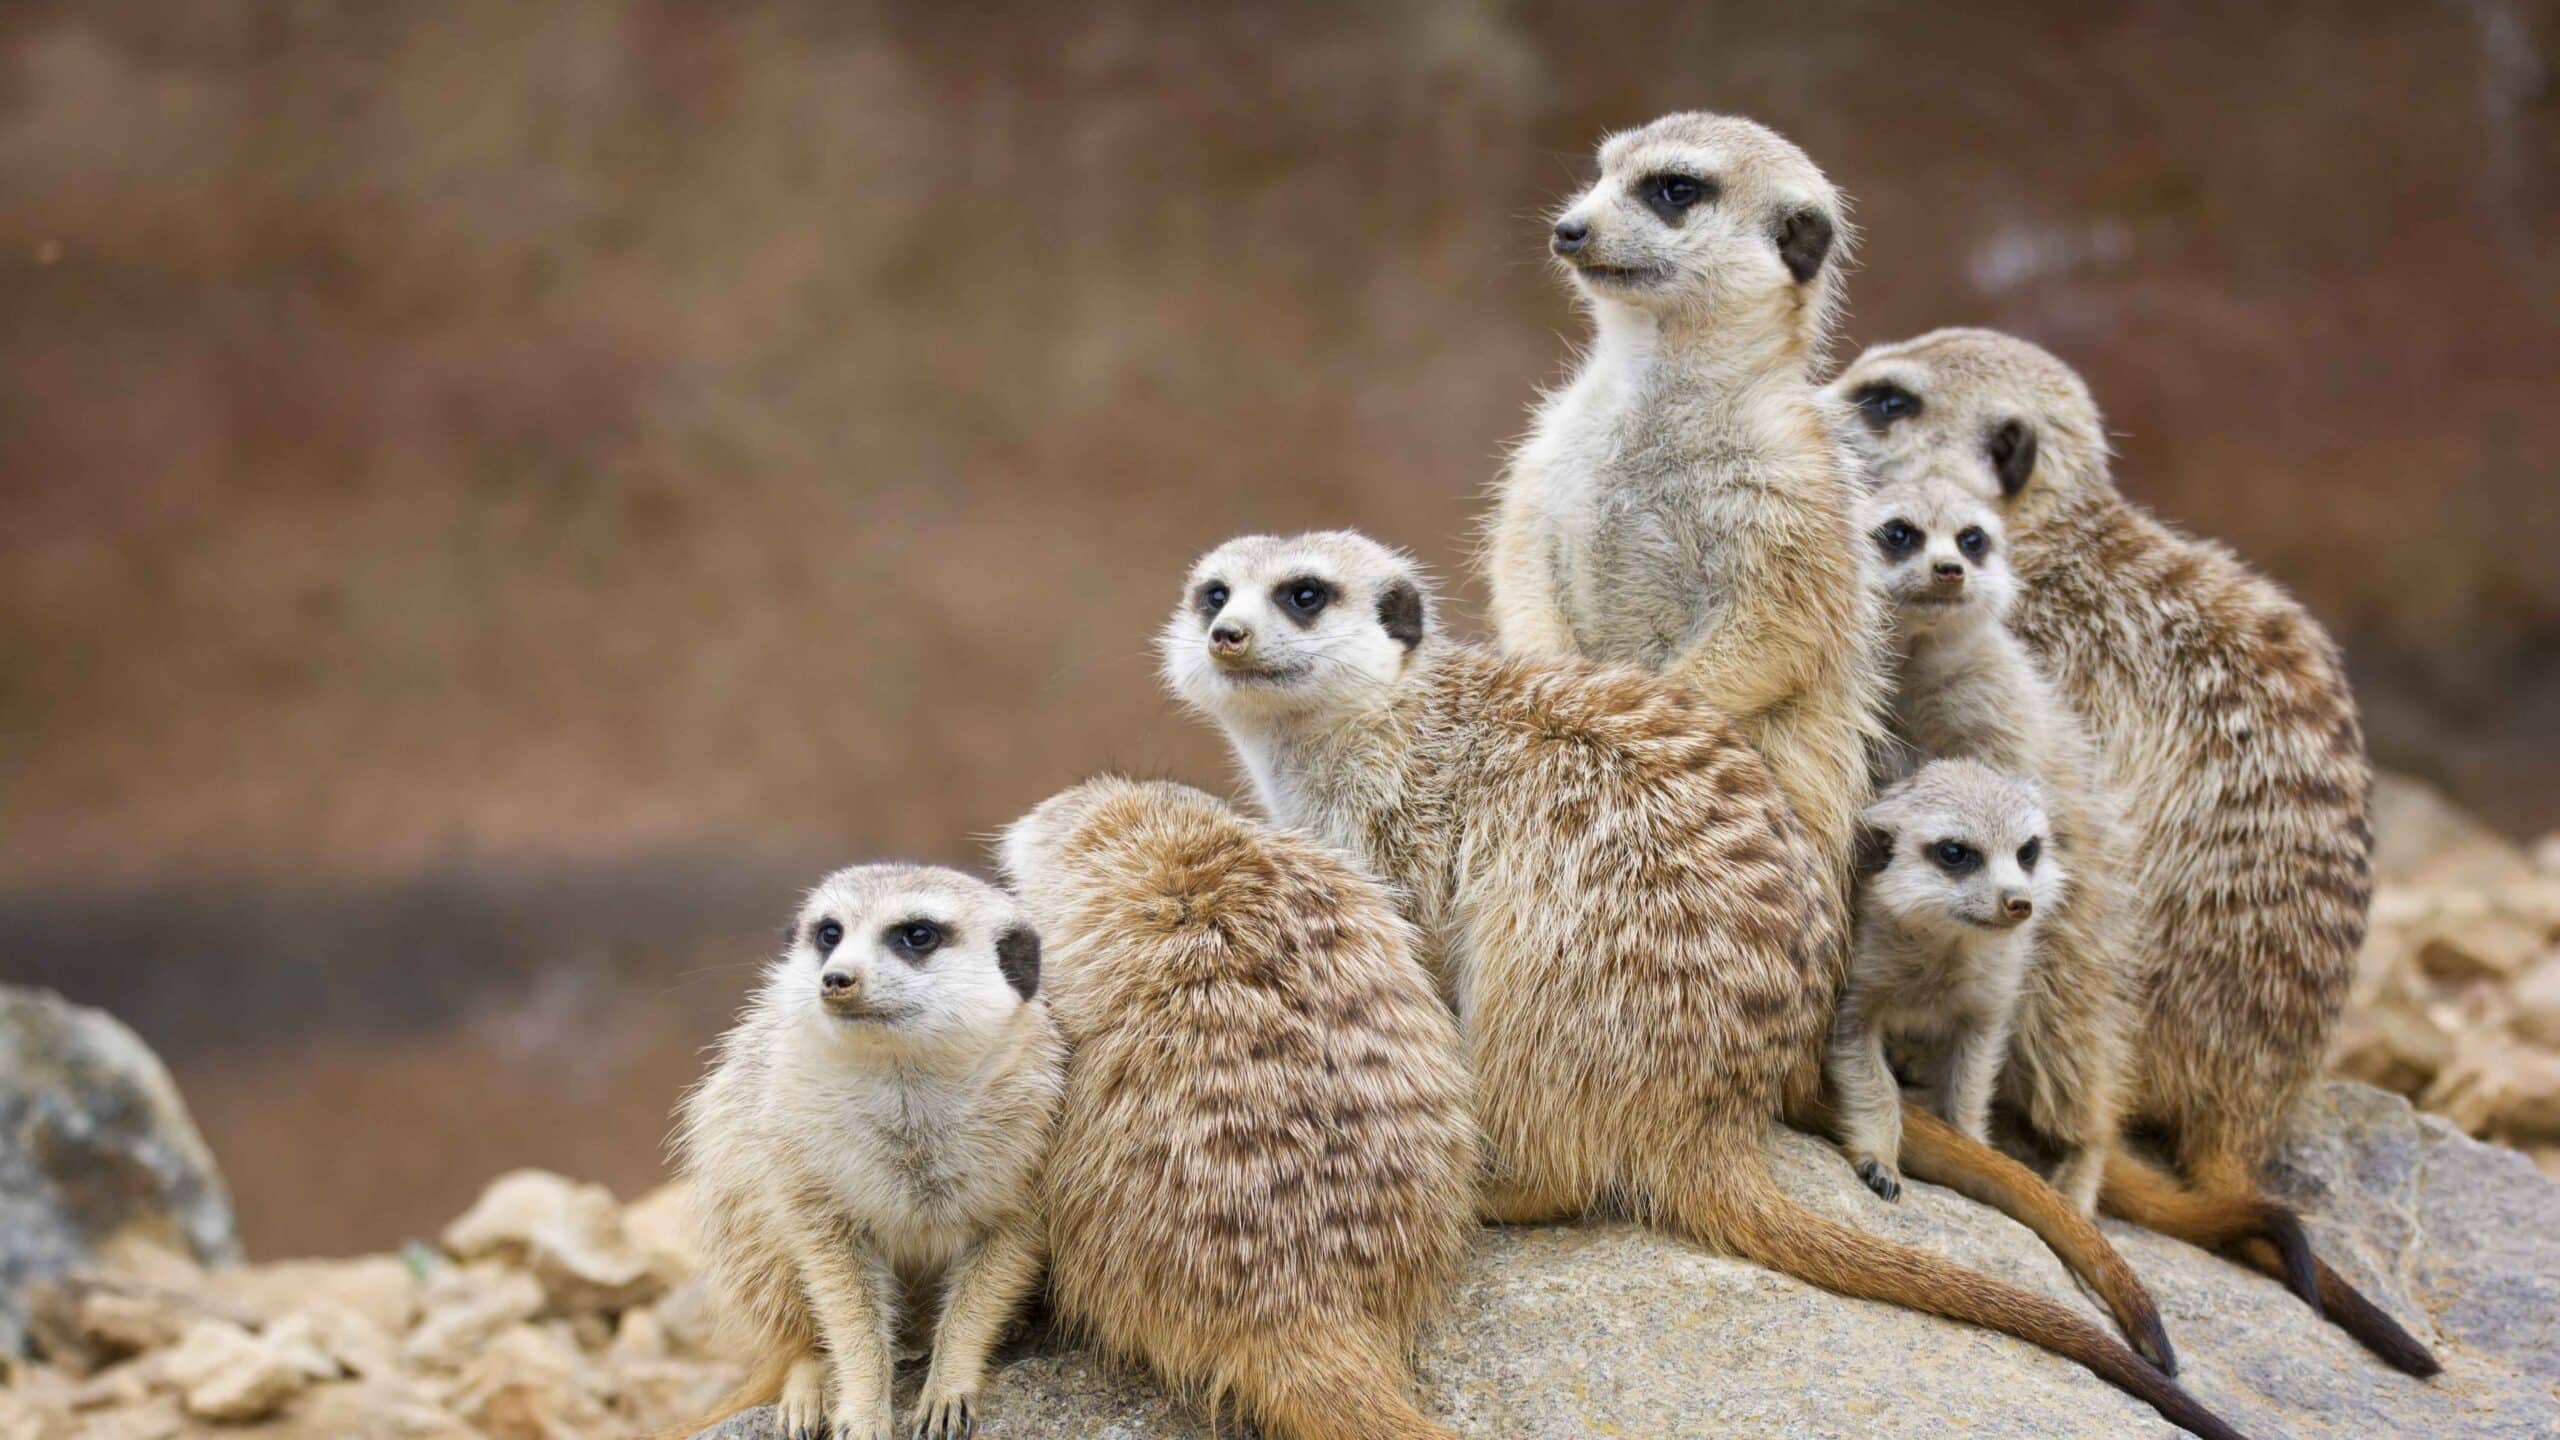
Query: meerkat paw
{"points": [[864, 1422], [801, 1413], [945, 1417], [1880, 1178]]}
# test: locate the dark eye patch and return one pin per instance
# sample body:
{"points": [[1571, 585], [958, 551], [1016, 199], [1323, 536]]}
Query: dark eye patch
{"points": [[2029, 853], [1897, 538], [1955, 857], [914, 939], [1974, 541], [826, 935], [1882, 403], [1670, 195], [1302, 599], [1210, 598]]}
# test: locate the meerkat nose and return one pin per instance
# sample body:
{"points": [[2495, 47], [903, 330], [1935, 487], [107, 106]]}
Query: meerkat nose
{"points": [[1948, 572], [2017, 907], [837, 982], [1571, 236], [1229, 639]]}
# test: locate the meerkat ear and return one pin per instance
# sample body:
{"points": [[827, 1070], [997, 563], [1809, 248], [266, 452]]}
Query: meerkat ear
{"points": [[1875, 851], [1804, 241], [1018, 956], [1400, 612], [2013, 455]]}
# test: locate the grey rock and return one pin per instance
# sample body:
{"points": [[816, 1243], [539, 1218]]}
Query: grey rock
{"points": [[94, 1144], [1603, 1329]]}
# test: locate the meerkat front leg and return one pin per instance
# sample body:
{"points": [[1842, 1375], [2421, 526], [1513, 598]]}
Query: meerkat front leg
{"points": [[851, 1300], [1528, 614], [1973, 1066], [802, 1409], [984, 1290], [1870, 1103]]}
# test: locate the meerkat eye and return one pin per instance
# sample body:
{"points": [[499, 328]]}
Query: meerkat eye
{"points": [[1671, 196], [1956, 856], [827, 935], [1303, 598], [915, 939], [1213, 598], [2029, 852], [1896, 538], [1973, 541], [1881, 404]]}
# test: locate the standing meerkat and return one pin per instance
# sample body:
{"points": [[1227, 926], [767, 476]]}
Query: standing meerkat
{"points": [[2231, 738], [1954, 882], [1685, 502], [873, 1126], [1968, 688], [1622, 906], [1265, 1172]]}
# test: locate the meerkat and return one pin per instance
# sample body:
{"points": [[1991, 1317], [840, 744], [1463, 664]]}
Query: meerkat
{"points": [[1967, 688], [1685, 502], [1954, 881], [1265, 1172], [1620, 903], [875, 1124], [2230, 737]]}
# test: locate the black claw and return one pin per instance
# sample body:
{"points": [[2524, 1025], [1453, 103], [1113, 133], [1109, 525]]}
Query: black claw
{"points": [[1878, 1181]]}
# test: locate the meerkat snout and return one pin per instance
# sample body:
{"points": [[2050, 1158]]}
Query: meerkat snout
{"points": [[1571, 236], [2015, 907]]}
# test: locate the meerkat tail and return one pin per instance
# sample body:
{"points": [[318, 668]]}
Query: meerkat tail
{"points": [[2347, 1308], [1742, 1208], [2220, 1210], [1937, 1152], [762, 1386], [1346, 1388]]}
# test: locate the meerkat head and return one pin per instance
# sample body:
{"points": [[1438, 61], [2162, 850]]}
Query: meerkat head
{"points": [[1043, 855], [907, 956], [1987, 411], [1941, 554], [1959, 848], [1710, 218], [1272, 628]]}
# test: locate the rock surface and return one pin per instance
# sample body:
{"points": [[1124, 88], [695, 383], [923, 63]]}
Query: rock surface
{"points": [[96, 1151], [1605, 1330]]}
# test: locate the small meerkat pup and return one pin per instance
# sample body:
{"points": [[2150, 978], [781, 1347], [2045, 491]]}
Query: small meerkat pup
{"points": [[1953, 876], [874, 1125], [1266, 1172], [1603, 876], [1968, 688], [2231, 740], [1686, 502]]}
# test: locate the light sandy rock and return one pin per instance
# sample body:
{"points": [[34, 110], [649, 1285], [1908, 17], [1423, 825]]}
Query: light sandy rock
{"points": [[381, 1288], [1566, 1332], [224, 1373], [2536, 1000], [569, 1235], [529, 1383], [465, 1307], [159, 1418], [2500, 1088], [369, 1410], [660, 1225], [692, 1321]]}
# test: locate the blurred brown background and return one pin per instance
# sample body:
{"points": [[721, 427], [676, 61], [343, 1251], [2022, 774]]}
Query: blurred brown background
{"points": [[496, 496]]}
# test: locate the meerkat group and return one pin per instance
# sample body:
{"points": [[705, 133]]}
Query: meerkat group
{"points": [[1830, 726]]}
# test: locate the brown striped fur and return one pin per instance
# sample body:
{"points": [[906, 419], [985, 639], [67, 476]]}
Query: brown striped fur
{"points": [[1633, 927], [1265, 1172], [2232, 740]]}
